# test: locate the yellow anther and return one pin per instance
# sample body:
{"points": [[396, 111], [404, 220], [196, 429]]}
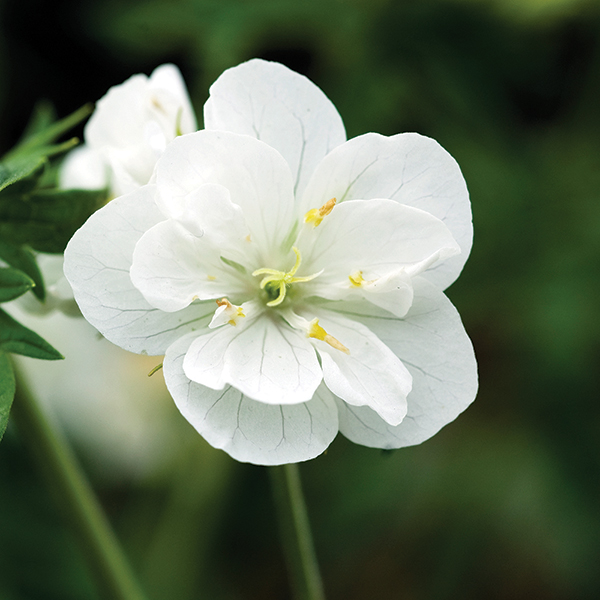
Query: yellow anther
{"points": [[317, 332], [211, 278], [279, 280], [231, 310], [316, 215], [356, 279]]}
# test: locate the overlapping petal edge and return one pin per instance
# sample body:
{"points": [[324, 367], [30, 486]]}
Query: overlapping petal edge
{"points": [[429, 340]]}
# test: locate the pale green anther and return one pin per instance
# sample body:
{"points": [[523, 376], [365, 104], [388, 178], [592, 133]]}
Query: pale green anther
{"points": [[282, 279]]}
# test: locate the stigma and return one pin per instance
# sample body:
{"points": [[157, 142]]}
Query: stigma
{"points": [[276, 282]]}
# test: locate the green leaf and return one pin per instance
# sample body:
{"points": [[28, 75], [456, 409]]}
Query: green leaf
{"points": [[26, 165], [46, 220], [16, 338], [13, 283], [22, 258], [42, 117], [7, 390], [40, 139], [16, 170]]}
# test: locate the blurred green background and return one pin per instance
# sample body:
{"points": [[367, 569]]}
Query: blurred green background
{"points": [[502, 504]]}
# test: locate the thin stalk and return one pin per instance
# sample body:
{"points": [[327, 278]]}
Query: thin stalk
{"points": [[75, 498], [295, 532]]}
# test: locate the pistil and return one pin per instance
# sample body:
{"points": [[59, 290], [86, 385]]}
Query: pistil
{"points": [[277, 282]]}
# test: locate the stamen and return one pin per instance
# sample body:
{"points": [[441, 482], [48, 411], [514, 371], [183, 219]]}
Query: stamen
{"points": [[316, 215], [226, 313], [317, 332], [356, 279]]}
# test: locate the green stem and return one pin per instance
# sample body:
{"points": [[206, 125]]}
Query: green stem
{"points": [[295, 533], [76, 499]]}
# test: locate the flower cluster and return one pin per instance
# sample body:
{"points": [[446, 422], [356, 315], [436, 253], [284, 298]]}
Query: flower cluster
{"points": [[292, 279]]}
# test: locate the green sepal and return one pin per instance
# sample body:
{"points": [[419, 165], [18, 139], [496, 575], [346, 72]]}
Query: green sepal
{"points": [[17, 339], [47, 219], [13, 283], [22, 258], [7, 390]]}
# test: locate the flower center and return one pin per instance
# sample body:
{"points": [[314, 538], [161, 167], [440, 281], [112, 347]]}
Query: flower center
{"points": [[276, 282]]}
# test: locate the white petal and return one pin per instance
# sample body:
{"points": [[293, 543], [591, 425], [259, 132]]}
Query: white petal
{"points": [[167, 78], [280, 107], [251, 431], [256, 176], [378, 239], [431, 341], [134, 122], [369, 375], [409, 168], [172, 268], [83, 169], [97, 263], [209, 211], [268, 362]]}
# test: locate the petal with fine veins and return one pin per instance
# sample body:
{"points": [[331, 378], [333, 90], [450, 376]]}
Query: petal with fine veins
{"points": [[97, 263], [283, 109], [248, 430], [268, 362], [408, 168], [369, 375], [431, 341]]}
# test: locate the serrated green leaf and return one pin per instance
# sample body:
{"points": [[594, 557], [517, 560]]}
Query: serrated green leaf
{"points": [[22, 258], [7, 390], [17, 339], [46, 220], [13, 283]]}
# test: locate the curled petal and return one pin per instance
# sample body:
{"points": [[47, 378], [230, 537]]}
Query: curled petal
{"points": [[408, 168], [368, 374], [371, 248]]}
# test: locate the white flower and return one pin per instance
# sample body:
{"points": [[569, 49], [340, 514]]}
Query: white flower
{"points": [[129, 129], [293, 279]]}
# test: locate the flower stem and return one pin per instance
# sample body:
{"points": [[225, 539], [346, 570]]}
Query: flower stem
{"points": [[75, 497], [295, 533]]}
